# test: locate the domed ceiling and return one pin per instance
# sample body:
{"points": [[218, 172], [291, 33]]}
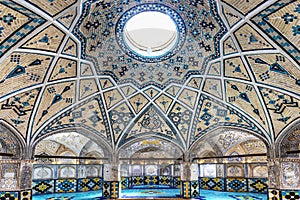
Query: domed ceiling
{"points": [[65, 65]]}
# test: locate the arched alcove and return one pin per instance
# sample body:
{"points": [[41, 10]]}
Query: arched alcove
{"points": [[150, 161], [227, 157], [10, 144], [289, 145], [68, 155]]}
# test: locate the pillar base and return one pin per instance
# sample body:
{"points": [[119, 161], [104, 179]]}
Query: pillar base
{"points": [[110, 189]]}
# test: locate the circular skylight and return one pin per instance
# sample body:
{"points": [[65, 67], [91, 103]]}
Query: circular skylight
{"points": [[150, 34]]}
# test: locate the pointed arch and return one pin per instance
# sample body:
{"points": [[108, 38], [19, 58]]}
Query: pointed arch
{"points": [[11, 142], [79, 130]]}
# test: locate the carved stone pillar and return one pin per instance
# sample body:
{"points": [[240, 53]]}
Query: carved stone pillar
{"points": [[186, 177], [274, 172], [186, 171], [111, 182], [16, 178]]}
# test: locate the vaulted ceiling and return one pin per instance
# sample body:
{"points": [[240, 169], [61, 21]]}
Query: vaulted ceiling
{"points": [[64, 66]]}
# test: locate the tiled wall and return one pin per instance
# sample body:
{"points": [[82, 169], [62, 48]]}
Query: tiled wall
{"points": [[110, 189], [127, 182], [16, 195], [165, 180], [89, 184], [66, 185], [186, 189], [275, 194], [176, 182], [195, 189], [258, 185]]}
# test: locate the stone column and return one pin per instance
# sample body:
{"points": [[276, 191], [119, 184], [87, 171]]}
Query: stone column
{"points": [[16, 178], [186, 177], [186, 171], [111, 179], [26, 171], [284, 178]]}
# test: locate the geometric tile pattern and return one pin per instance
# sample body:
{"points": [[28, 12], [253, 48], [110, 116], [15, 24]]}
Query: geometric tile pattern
{"points": [[244, 6], [68, 17], [274, 194], [176, 182], [258, 185], [212, 184], [229, 46], [9, 196], [236, 185], [203, 42], [42, 187], [28, 51], [124, 182], [188, 97], [106, 190], [196, 81], [120, 117], [213, 87], [235, 68], [53, 7], [165, 180], [64, 68], [281, 25], [112, 97], [212, 113], [114, 189], [232, 17], [49, 39], [215, 69], [65, 185], [55, 97], [21, 70], [152, 121], [138, 102], [88, 114], [25, 195], [249, 39], [151, 180], [87, 88], [195, 189], [137, 180], [89, 184], [18, 109], [244, 96], [186, 189], [70, 48], [86, 70], [276, 70], [163, 102], [181, 117], [17, 23], [290, 195], [282, 108]]}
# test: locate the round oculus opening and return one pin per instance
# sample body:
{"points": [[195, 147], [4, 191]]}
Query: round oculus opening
{"points": [[150, 34]]}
